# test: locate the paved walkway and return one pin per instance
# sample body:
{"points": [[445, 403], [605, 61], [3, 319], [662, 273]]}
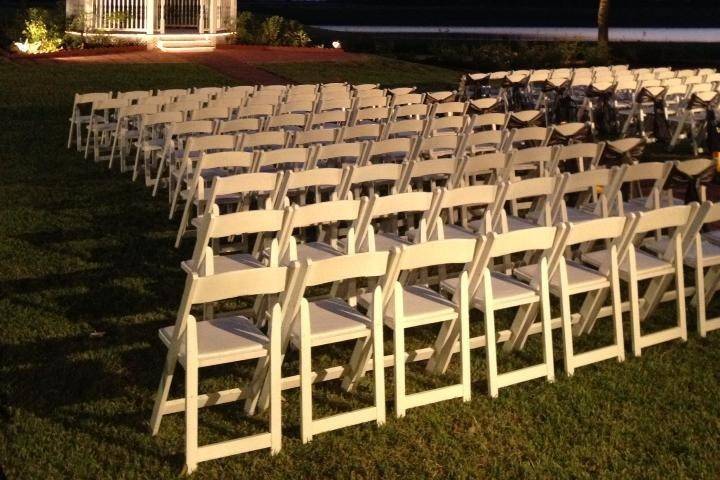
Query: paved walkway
{"points": [[236, 61]]}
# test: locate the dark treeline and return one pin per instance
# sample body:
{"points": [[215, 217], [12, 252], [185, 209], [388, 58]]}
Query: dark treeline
{"points": [[626, 13]]}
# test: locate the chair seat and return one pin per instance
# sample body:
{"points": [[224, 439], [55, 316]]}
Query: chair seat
{"points": [[456, 231], [421, 305], [223, 340], [387, 241], [581, 278], [507, 292], [710, 251], [712, 237], [332, 320], [227, 263], [517, 223], [578, 215], [316, 251], [638, 204], [101, 127], [648, 265]]}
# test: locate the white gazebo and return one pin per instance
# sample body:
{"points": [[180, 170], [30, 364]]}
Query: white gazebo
{"points": [[148, 19]]}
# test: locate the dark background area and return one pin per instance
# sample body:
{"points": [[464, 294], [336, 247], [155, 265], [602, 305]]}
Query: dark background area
{"points": [[624, 13]]}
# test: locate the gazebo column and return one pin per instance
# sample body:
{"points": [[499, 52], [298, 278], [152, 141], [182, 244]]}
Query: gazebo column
{"points": [[149, 17], [212, 16]]}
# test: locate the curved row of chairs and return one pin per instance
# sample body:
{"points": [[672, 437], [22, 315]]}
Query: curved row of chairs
{"points": [[403, 245], [682, 98]]}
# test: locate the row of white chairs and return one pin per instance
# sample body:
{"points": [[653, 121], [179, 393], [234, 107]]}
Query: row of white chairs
{"points": [[394, 288]]}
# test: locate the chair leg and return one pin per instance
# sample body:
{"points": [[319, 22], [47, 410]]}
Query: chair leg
{"points": [[306, 390], [183, 221], [634, 313], [567, 333], [680, 289], [275, 359], [464, 315], [699, 299], [163, 391], [358, 359], [617, 309], [191, 413], [161, 165], [444, 343], [378, 357], [399, 340], [70, 133], [546, 321], [491, 344], [524, 319], [78, 136]]}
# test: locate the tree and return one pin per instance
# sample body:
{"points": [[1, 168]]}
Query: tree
{"points": [[602, 20]]}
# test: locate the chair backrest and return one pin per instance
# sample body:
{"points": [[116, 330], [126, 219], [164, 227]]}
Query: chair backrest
{"points": [[363, 132], [440, 146], [373, 101], [209, 143], [417, 111], [434, 168], [535, 157], [255, 111], [264, 140], [331, 119], [488, 121], [483, 141], [241, 125], [449, 108], [245, 183], [232, 284], [263, 98], [162, 118], [370, 174], [239, 90], [338, 154], [493, 164], [328, 103], [172, 92], [373, 114], [316, 177], [345, 267], [199, 97], [407, 99], [394, 149], [585, 156], [135, 94], [404, 128], [286, 121], [296, 106], [294, 158], [453, 125], [527, 137], [657, 171], [532, 187], [214, 226], [209, 91], [320, 136], [210, 113]]}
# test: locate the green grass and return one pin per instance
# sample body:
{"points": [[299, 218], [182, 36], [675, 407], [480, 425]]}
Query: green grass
{"points": [[86, 250], [389, 72]]}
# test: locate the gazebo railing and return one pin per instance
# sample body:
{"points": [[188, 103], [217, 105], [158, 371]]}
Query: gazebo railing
{"points": [[125, 15]]}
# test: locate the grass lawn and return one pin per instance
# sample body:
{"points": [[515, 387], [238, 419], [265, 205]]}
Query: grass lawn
{"points": [[389, 72], [85, 250]]}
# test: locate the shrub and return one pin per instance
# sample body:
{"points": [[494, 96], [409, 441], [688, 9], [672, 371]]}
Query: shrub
{"points": [[294, 34], [245, 27], [271, 30], [41, 29]]}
